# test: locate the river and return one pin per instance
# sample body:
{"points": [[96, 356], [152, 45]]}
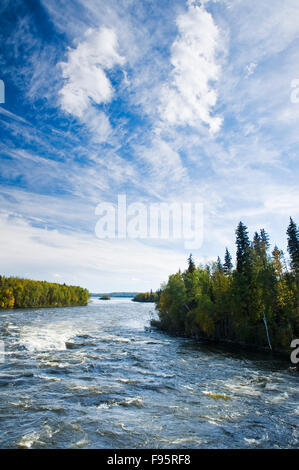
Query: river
{"points": [[99, 377]]}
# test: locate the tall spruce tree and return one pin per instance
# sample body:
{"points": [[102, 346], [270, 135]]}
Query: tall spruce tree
{"points": [[219, 265], [228, 265], [243, 248], [257, 242], [191, 264], [264, 239], [293, 245]]}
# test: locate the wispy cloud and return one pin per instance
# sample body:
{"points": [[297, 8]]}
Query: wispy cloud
{"points": [[86, 83], [190, 95], [167, 101]]}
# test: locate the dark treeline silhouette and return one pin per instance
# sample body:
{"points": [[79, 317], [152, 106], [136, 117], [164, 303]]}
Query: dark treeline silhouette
{"points": [[22, 293], [256, 303]]}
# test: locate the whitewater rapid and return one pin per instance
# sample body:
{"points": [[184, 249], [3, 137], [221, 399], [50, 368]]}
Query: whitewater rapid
{"points": [[99, 377]]}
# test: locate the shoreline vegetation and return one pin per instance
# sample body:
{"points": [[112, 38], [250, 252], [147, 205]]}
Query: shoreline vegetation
{"points": [[114, 294], [254, 305], [16, 292], [146, 297]]}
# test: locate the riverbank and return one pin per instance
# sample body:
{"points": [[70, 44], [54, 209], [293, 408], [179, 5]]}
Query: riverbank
{"points": [[17, 292], [253, 305], [227, 345]]}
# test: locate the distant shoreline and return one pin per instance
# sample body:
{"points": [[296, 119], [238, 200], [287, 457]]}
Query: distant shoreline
{"points": [[18, 292], [114, 294]]}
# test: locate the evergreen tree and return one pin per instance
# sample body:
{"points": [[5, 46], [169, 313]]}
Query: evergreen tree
{"points": [[257, 303], [293, 245], [219, 265], [191, 265], [257, 242], [264, 239], [293, 249], [228, 265], [260, 246], [243, 248]]}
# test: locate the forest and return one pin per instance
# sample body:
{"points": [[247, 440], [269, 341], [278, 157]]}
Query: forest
{"points": [[146, 297], [254, 303], [22, 293]]}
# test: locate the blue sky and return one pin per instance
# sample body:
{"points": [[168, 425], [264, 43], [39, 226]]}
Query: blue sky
{"points": [[172, 101]]}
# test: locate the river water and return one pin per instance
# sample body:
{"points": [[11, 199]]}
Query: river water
{"points": [[98, 377]]}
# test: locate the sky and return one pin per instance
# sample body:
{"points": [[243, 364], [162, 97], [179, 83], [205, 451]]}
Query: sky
{"points": [[169, 101]]}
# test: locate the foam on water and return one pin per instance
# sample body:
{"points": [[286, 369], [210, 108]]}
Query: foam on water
{"points": [[51, 336], [27, 441], [121, 384]]}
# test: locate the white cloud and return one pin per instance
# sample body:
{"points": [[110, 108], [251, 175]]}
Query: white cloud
{"points": [[79, 258], [267, 27], [86, 82], [189, 97], [250, 68], [163, 163], [249, 172], [98, 123], [13, 116]]}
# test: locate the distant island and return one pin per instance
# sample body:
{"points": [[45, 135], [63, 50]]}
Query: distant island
{"points": [[16, 292], [136, 296], [114, 294], [146, 297]]}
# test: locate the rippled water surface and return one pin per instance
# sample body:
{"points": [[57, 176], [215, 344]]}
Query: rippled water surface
{"points": [[98, 377]]}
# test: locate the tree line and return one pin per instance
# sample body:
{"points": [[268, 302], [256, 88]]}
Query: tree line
{"points": [[255, 302], [22, 293], [146, 297]]}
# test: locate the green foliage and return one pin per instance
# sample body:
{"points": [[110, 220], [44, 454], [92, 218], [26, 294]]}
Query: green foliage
{"points": [[173, 303], [243, 248], [220, 303], [293, 245], [228, 265], [146, 297], [23, 293], [191, 265]]}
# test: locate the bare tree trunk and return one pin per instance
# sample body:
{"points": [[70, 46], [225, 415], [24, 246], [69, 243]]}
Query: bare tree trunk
{"points": [[266, 326]]}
